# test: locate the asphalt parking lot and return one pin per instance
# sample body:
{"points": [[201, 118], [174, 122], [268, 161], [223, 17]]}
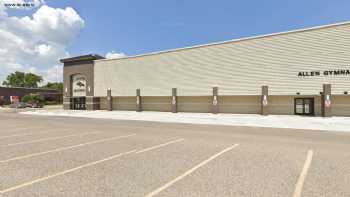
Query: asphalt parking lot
{"points": [[60, 156]]}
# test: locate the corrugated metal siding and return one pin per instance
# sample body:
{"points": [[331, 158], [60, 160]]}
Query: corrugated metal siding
{"points": [[237, 68]]}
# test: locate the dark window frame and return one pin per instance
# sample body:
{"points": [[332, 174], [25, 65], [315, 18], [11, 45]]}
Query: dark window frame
{"points": [[312, 106]]}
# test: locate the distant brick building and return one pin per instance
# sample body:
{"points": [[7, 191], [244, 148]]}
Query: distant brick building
{"points": [[7, 92]]}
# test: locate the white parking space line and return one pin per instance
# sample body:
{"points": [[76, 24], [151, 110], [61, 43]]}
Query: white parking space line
{"points": [[86, 165], [302, 177], [48, 139], [159, 146], [170, 183], [65, 148], [22, 127], [23, 134], [65, 172]]}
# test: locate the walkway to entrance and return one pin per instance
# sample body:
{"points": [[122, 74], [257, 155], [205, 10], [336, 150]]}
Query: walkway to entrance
{"points": [[254, 120]]}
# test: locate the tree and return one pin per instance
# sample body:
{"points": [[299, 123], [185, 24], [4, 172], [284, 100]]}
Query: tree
{"points": [[21, 79], [32, 98], [31, 80], [55, 85], [15, 79]]}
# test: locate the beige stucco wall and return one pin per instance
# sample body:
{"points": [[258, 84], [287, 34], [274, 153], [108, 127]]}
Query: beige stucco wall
{"points": [[124, 103], [284, 105], [119, 103], [103, 103], [237, 68], [318, 107], [341, 105], [239, 104], [152, 103], [277, 104], [201, 104]]}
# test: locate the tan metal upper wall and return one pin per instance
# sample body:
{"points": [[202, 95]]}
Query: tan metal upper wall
{"points": [[238, 68]]}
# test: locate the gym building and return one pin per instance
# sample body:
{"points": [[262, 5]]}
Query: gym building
{"points": [[302, 72]]}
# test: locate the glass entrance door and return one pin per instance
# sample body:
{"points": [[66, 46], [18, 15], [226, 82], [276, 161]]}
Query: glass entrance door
{"points": [[79, 103], [304, 106]]}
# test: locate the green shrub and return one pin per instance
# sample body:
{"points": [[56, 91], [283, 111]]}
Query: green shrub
{"points": [[32, 98], [26, 98]]}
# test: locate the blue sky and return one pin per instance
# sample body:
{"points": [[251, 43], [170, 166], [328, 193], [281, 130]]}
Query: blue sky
{"points": [[137, 27]]}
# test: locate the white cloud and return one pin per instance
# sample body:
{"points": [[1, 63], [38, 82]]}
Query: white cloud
{"points": [[14, 66], [33, 70], [112, 54], [43, 49], [55, 73], [3, 51], [36, 43]]}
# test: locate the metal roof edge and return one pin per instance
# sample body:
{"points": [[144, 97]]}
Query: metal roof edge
{"points": [[28, 88], [82, 58]]}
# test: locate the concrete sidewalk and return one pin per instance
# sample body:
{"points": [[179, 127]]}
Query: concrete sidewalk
{"points": [[274, 121]]}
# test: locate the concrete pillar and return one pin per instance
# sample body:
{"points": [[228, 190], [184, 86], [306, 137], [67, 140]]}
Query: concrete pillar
{"points": [[67, 102], [326, 101], [109, 100], [215, 104], [174, 100], [264, 100], [138, 100]]}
